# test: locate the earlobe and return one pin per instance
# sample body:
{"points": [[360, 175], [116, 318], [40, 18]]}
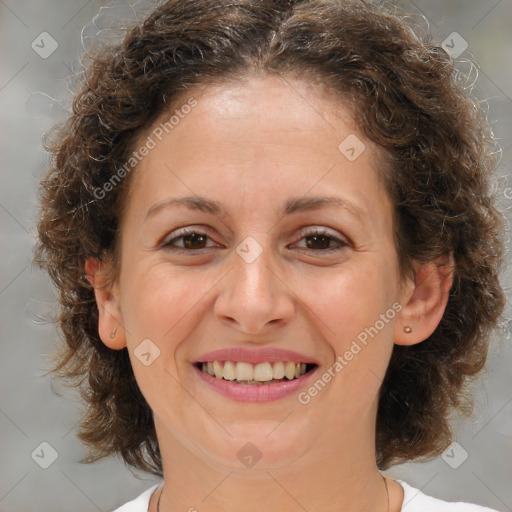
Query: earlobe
{"points": [[425, 301], [110, 321]]}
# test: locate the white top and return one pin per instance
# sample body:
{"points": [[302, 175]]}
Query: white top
{"points": [[414, 501]]}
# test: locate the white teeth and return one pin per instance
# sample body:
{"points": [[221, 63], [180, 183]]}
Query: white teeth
{"points": [[278, 370], [229, 371], [244, 371], [249, 373], [262, 372], [289, 370], [217, 368]]}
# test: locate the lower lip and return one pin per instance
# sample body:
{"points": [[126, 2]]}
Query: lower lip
{"points": [[257, 393]]}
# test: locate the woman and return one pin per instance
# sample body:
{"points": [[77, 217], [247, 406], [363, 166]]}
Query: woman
{"points": [[271, 227]]}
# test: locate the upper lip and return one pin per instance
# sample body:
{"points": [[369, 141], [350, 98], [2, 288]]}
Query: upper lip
{"points": [[255, 356]]}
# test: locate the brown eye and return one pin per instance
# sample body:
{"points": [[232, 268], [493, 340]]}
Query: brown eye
{"points": [[320, 241], [191, 240], [194, 241]]}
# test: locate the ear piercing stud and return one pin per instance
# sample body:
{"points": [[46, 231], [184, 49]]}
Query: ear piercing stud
{"points": [[408, 329], [113, 333]]}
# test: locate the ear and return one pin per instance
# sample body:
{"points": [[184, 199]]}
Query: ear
{"points": [[110, 324], [425, 301]]}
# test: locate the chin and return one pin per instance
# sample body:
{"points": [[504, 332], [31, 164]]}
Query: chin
{"points": [[254, 449]]}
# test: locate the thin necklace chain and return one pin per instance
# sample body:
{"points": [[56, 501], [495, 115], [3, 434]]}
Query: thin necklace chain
{"points": [[383, 478]]}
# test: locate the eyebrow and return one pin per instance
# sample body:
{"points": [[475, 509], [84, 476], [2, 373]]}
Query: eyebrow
{"points": [[293, 205]]}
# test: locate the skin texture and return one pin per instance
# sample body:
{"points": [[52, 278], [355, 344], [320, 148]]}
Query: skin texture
{"points": [[251, 146]]}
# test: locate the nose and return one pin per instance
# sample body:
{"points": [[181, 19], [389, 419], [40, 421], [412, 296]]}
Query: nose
{"points": [[255, 293]]}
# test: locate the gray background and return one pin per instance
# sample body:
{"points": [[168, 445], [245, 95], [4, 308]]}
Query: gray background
{"points": [[33, 95]]}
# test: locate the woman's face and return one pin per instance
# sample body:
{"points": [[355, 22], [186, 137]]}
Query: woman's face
{"points": [[255, 279]]}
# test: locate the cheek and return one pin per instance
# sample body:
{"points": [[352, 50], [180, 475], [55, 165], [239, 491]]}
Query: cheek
{"points": [[355, 307], [159, 297], [160, 306], [349, 300]]}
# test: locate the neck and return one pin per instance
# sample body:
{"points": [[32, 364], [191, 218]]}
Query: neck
{"points": [[329, 479]]}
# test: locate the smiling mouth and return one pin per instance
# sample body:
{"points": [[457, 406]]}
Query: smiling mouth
{"points": [[255, 374]]}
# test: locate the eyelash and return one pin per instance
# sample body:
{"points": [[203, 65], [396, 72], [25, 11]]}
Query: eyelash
{"points": [[314, 232]]}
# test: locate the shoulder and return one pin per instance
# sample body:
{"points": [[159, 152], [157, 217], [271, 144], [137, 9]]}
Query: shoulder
{"points": [[140, 503], [416, 501]]}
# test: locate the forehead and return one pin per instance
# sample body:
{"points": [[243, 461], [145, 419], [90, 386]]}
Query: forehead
{"points": [[261, 138]]}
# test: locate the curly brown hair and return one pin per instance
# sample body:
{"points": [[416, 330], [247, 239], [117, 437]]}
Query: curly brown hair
{"points": [[410, 101]]}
